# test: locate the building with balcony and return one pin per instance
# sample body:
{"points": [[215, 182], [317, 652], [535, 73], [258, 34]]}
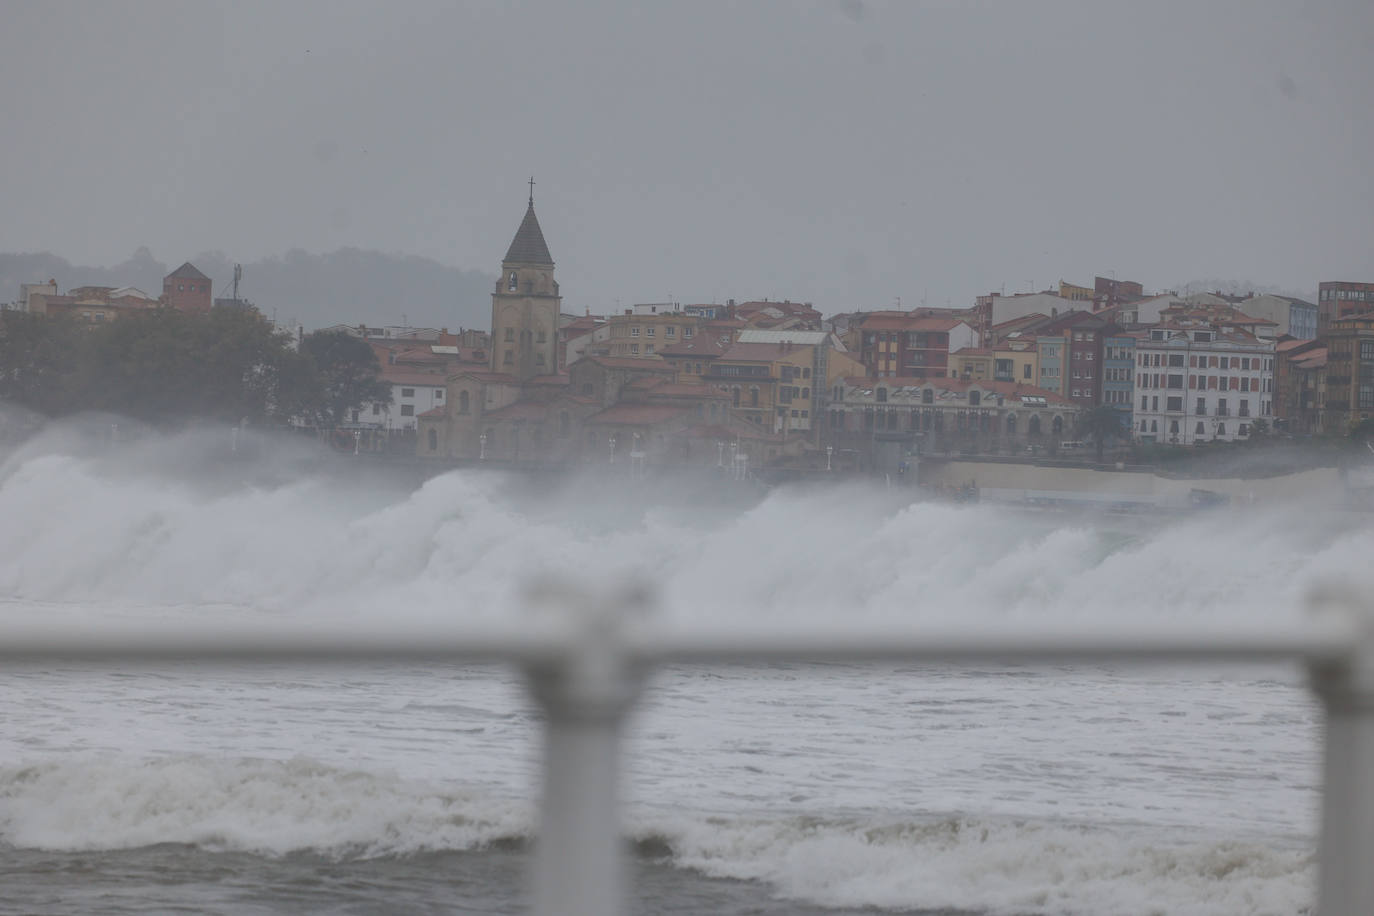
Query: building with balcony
{"points": [[1118, 372], [942, 414], [1338, 299], [1349, 395], [1299, 385], [1201, 381], [892, 344]]}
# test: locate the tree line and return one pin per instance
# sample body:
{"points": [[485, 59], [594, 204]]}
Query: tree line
{"points": [[170, 368]]}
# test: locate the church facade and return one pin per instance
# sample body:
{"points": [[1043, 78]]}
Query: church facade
{"points": [[521, 409]]}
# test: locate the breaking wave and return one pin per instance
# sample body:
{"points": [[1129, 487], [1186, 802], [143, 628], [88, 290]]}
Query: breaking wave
{"points": [[142, 526], [278, 808]]}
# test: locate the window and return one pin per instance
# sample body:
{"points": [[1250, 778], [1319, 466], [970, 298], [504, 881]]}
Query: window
{"points": [[1144, 402], [509, 358], [753, 395], [376, 409], [687, 333], [539, 337], [1175, 381], [974, 397], [882, 395], [1176, 359], [670, 331], [1200, 431], [1174, 404], [927, 396], [407, 392], [634, 331], [806, 373], [634, 349], [1201, 407], [649, 332], [1026, 371], [510, 283], [463, 401], [407, 410], [510, 335], [438, 394], [433, 441], [648, 349]]}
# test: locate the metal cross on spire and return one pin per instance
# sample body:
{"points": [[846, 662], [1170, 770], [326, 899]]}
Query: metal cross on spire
{"points": [[531, 190]]}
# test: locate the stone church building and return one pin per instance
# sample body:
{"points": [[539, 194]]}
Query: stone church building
{"points": [[520, 408]]}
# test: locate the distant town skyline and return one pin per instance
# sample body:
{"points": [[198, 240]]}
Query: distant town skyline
{"points": [[848, 154]]}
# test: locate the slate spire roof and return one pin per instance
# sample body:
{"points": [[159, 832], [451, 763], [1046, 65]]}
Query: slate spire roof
{"points": [[528, 246]]}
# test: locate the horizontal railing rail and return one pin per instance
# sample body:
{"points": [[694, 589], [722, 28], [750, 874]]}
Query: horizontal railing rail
{"points": [[586, 656]]}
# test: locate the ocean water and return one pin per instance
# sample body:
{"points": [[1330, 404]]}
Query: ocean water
{"points": [[1090, 789]]}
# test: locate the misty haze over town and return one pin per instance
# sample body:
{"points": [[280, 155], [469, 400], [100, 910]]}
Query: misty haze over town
{"points": [[770, 458]]}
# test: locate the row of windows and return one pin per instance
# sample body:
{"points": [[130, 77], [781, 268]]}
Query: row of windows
{"points": [[539, 337], [508, 358], [1245, 363], [1199, 430], [1151, 403], [934, 420], [1352, 295], [669, 331], [1083, 354]]}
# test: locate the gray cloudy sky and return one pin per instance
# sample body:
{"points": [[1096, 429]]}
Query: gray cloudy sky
{"points": [[844, 153]]}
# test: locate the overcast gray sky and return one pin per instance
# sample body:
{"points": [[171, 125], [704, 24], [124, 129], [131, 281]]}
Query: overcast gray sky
{"points": [[843, 153]]}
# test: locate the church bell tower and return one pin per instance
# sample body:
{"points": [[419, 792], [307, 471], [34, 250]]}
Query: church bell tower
{"points": [[526, 305]]}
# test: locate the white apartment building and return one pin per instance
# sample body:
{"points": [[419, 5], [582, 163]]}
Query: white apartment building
{"points": [[1199, 382]]}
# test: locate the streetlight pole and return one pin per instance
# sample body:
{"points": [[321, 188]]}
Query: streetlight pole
{"points": [[482, 444], [829, 451], [612, 448]]}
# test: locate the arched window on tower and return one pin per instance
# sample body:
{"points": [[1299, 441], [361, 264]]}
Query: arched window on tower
{"points": [[510, 284]]}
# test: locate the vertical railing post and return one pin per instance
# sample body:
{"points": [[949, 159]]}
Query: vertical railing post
{"points": [[585, 694], [1346, 849]]}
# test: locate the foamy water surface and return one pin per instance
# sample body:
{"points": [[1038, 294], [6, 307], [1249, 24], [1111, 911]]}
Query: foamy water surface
{"points": [[1085, 790]]}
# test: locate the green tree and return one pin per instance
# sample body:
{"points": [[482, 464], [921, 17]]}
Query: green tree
{"points": [[40, 360], [162, 366], [348, 373], [166, 366], [1101, 423]]}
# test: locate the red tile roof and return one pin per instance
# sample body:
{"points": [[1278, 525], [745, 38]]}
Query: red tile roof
{"points": [[762, 352], [637, 414], [904, 322], [520, 410], [644, 363], [405, 375], [482, 375]]}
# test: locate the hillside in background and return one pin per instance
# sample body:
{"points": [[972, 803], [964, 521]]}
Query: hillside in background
{"points": [[348, 286]]}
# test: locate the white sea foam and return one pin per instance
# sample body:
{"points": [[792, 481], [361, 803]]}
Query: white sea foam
{"points": [[1018, 867], [280, 807], [815, 782], [272, 807], [88, 528]]}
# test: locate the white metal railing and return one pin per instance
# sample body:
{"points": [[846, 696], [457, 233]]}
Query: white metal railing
{"points": [[586, 655]]}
